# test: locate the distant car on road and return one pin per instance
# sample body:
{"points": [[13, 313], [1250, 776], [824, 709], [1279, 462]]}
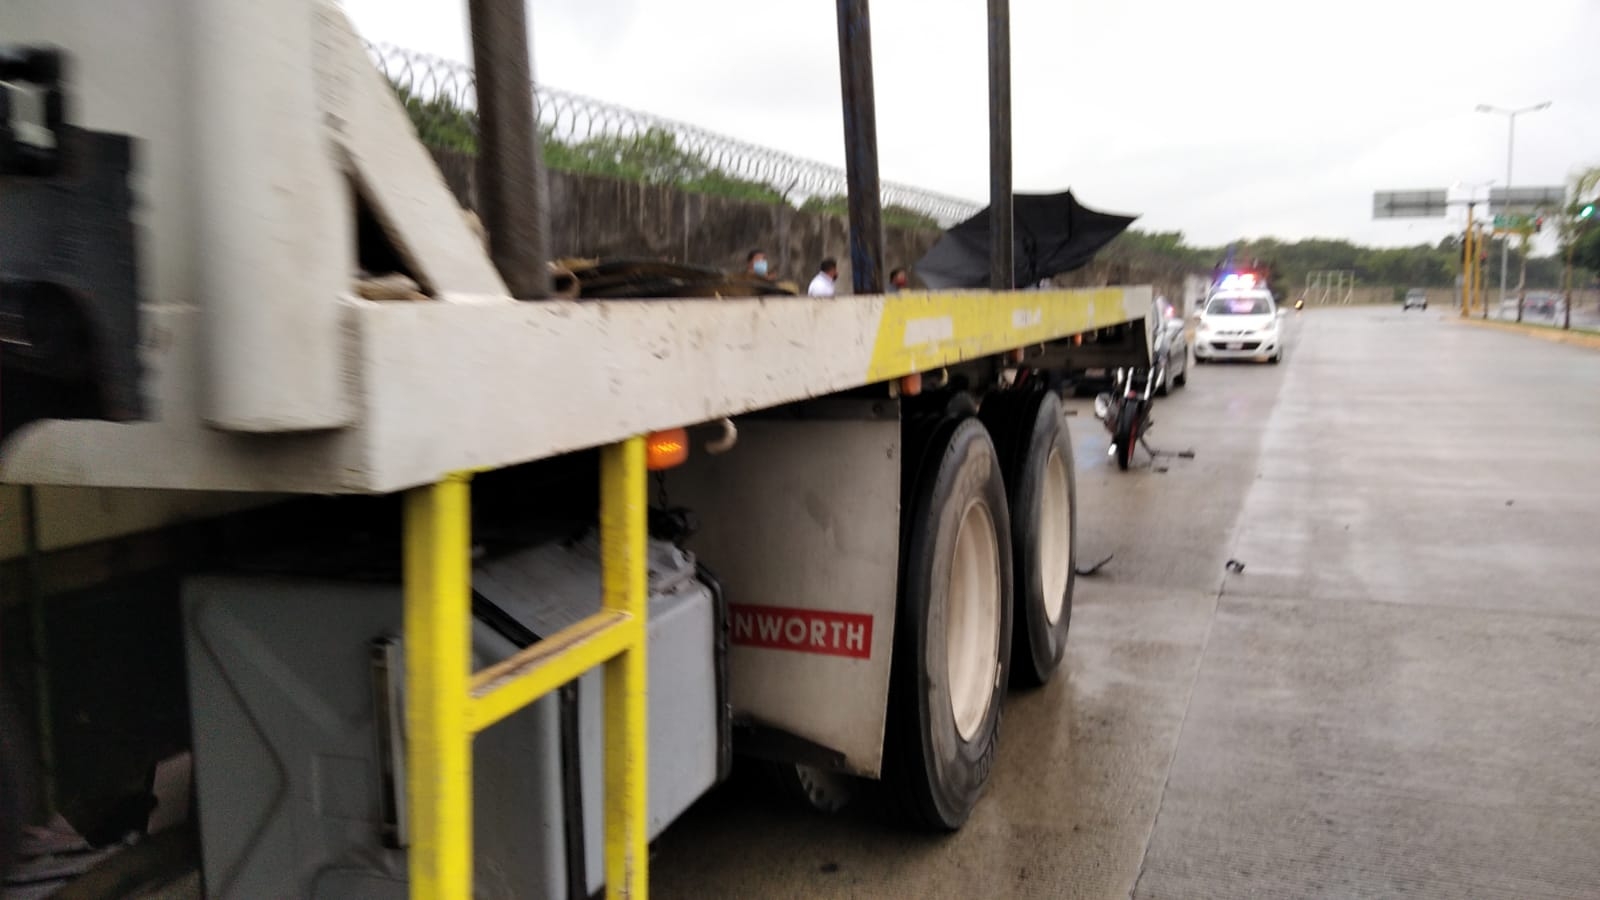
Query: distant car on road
{"points": [[1542, 303], [1537, 304], [1239, 324], [1169, 354], [1171, 344], [1416, 297]]}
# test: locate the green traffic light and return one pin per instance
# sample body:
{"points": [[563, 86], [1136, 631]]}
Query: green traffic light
{"points": [[1586, 212]]}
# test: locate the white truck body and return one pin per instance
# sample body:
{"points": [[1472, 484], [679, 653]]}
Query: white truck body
{"points": [[263, 133]]}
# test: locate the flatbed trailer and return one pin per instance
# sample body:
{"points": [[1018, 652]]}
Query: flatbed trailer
{"points": [[871, 537]]}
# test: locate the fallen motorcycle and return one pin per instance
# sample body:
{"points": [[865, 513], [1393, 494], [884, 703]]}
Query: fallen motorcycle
{"points": [[1125, 411]]}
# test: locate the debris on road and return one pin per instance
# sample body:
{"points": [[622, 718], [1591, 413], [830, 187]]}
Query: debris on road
{"points": [[1096, 567]]}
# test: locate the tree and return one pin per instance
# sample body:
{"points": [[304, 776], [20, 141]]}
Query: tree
{"points": [[1586, 250], [439, 122], [653, 157], [1579, 229]]}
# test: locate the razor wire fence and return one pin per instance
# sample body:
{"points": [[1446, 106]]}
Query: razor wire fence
{"points": [[587, 134]]}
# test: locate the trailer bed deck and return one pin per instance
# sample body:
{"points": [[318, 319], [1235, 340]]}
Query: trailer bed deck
{"points": [[441, 387]]}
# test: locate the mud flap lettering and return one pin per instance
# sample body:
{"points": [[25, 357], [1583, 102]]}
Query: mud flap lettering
{"points": [[803, 630]]}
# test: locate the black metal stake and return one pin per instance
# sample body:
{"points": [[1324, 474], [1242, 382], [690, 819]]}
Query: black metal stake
{"points": [[511, 188], [861, 147], [1002, 263]]}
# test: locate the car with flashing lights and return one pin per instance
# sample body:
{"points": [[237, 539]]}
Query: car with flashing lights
{"points": [[1240, 321]]}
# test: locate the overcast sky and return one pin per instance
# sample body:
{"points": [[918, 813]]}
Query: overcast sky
{"points": [[1220, 118]]}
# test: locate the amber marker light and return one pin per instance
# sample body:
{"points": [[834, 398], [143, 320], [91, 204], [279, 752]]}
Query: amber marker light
{"points": [[666, 449]]}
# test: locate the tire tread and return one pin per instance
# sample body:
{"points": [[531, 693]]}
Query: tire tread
{"points": [[906, 792]]}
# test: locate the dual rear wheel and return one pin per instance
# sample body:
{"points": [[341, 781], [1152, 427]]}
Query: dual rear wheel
{"points": [[987, 567], [987, 564]]}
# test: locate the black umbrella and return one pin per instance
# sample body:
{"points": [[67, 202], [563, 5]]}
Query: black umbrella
{"points": [[1054, 233]]}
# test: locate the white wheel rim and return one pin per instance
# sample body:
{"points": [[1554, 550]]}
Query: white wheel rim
{"points": [[972, 619], [1055, 536]]}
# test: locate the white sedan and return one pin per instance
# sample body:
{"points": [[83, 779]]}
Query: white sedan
{"points": [[1242, 324]]}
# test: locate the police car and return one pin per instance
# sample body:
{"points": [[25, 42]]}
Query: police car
{"points": [[1240, 320]]}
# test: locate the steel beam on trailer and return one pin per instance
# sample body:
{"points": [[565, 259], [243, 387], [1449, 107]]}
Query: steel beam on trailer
{"points": [[861, 147], [511, 189], [1002, 265]]}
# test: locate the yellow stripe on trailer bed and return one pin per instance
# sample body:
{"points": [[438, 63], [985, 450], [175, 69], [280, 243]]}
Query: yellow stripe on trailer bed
{"points": [[923, 331]]}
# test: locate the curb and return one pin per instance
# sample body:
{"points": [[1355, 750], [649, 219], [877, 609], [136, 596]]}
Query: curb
{"points": [[1586, 339]]}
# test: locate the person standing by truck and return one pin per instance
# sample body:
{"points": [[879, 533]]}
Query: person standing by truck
{"points": [[756, 264], [822, 283]]}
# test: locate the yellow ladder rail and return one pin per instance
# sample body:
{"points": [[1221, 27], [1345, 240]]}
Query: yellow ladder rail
{"points": [[446, 703]]}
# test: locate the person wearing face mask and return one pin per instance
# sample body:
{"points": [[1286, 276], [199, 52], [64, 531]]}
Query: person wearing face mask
{"points": [[756, 264]]}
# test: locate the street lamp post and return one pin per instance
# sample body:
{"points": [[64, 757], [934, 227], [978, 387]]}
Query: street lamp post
{"points": [[1511, 144]]}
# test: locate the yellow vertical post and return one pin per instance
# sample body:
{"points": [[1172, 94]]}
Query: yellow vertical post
{"points": [[625, 588], [1481, 270], [438, 607], [1469, 261], [1472, 271]]}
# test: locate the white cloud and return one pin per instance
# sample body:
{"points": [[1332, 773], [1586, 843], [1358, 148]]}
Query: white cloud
{"points": [[1221, 118]]}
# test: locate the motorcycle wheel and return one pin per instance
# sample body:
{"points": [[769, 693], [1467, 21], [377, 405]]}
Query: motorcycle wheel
{"points": [[1126, 433]]}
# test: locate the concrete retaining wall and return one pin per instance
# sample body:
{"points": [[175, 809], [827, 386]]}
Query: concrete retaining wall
{"points": [[592, 216]]}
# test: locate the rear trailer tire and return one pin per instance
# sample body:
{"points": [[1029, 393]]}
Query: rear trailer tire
{"points": [[1031, 435], [952, 632]]}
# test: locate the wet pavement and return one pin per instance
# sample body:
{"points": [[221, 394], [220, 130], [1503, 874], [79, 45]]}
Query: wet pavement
{"points": [[1400, 694]]}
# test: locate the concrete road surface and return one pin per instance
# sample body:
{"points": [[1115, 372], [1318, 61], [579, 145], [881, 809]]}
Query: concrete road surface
{"points": [[1400, 694]]}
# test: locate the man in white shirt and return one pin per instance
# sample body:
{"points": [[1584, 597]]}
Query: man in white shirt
{"points": [[827, 273]]}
